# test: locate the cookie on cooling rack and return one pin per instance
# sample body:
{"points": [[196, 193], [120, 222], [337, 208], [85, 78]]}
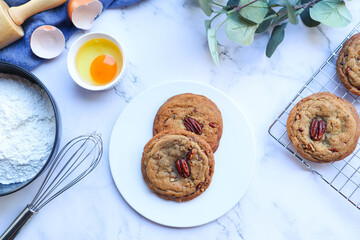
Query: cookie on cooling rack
{"points": [[192, 112], [177, 165], [348, 64], [324, 127]]}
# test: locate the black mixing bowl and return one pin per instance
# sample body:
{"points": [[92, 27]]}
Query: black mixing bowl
{"points": [[16, 70]]}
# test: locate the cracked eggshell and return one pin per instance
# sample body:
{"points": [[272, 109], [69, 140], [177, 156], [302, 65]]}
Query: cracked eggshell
{"points": [[82, 13], [47, 42]]}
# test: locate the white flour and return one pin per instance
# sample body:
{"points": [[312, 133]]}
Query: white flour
{"points": [[27, 129]]}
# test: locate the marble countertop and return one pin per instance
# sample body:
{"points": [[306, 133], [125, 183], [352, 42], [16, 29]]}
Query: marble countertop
{"points": [[166, 41]]}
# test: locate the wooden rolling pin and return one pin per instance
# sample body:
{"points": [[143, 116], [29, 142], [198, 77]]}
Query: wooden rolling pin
{"points": [[12, 18]]}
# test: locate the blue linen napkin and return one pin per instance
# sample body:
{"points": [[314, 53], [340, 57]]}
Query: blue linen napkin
{"points": [[19, 52]]}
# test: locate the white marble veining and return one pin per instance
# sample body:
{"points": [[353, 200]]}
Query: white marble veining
{"points": [[166, 41]]}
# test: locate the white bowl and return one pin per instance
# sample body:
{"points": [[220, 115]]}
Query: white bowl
{"points": [[72, 65]]}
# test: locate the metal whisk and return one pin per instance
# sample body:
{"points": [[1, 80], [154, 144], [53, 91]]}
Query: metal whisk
{"points": [[74, 161]]}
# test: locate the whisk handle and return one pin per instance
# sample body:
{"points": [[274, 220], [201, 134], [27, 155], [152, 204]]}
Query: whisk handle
{"points": [[18, 223]]}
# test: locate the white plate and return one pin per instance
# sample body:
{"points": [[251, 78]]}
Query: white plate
{"points": [[234, 159]]}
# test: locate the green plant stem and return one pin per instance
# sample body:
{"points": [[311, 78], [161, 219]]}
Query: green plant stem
{"points": [[212, 19], [220, 12], [236, 8], [303, 6], [221, 23], [306, 5], [217, 4], [270, 17]]}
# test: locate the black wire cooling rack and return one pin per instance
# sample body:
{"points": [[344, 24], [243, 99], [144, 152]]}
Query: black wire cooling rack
{"points": [[344, 175]]}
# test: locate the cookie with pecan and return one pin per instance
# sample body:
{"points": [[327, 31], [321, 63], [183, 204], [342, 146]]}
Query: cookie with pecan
{"points": [[348, 64], [177, 165], [323, 127], [192, 112]]}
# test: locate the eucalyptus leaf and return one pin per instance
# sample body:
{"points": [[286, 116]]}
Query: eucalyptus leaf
{"points": [[254, 12], [240, 30], [206, 7], [281, 16], [291, 13], [211, 35], [207, 25], [305, 1], [233, 3], [281, 2], [244, 18], [277, 36], [299, 11], [331, 12], [306, 18], [266, 24]]}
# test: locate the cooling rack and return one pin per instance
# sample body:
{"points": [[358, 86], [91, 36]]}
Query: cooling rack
{"points": [[344, 175]]}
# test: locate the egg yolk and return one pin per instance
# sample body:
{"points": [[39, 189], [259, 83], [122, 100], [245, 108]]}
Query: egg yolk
{"points": [[103, 69]]}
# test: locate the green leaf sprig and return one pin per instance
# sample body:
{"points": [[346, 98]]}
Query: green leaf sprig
{"points": [[245, 18]]}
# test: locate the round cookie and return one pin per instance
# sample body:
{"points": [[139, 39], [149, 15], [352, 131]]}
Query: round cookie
{"points": [[177, 165], [348, 65], [195, 113], [323, 127]]}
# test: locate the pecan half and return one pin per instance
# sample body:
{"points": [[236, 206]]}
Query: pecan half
{"points": [[192, 125], [183, 168], [317, 129]]}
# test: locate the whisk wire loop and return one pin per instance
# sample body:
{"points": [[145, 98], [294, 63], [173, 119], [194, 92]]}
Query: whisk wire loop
{"points": [[74, 162], [91, 146]]}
